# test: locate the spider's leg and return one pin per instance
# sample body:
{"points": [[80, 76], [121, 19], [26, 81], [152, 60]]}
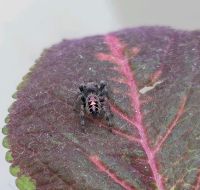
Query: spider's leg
{"points": [[82, 114], [102, 85], [104, 92], [77, 102], [82, 87], [102, 99], [108, 115]]}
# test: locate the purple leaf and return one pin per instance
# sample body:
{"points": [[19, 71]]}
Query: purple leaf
{"points": [[153, 76]]}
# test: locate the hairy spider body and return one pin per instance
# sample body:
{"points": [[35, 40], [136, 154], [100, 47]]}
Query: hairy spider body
{"points": [[93, 101]]}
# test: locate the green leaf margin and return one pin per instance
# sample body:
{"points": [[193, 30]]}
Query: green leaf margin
{"points": [[23, 181]]}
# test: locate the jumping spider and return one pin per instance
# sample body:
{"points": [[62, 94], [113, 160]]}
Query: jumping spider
{"points": [[93, 100]]}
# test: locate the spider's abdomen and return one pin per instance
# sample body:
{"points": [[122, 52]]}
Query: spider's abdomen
{"points": [[93, 104]]}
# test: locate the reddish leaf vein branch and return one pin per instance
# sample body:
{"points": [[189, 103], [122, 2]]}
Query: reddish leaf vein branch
{"points": [[117, 57], [172, 125], [102, 167]]}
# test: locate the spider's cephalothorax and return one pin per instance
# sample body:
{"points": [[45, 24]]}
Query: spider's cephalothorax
{"points": [[93, 98]]}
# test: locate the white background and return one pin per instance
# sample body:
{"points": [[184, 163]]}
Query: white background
{"points": [[29, 26]]}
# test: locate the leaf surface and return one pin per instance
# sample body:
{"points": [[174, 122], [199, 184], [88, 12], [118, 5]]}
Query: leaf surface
{"points": [[153, 75]]}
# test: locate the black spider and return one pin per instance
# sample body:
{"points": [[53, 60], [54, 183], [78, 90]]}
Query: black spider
{"points": [[93, 100]]}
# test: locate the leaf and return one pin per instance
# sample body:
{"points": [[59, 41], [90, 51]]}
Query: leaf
{"points": [[153, 75]]}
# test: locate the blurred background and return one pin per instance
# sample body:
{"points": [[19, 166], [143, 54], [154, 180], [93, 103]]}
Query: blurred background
{"points": [[29, 26]]}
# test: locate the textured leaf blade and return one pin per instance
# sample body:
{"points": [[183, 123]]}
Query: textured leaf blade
{"points": [[153, 75]]}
